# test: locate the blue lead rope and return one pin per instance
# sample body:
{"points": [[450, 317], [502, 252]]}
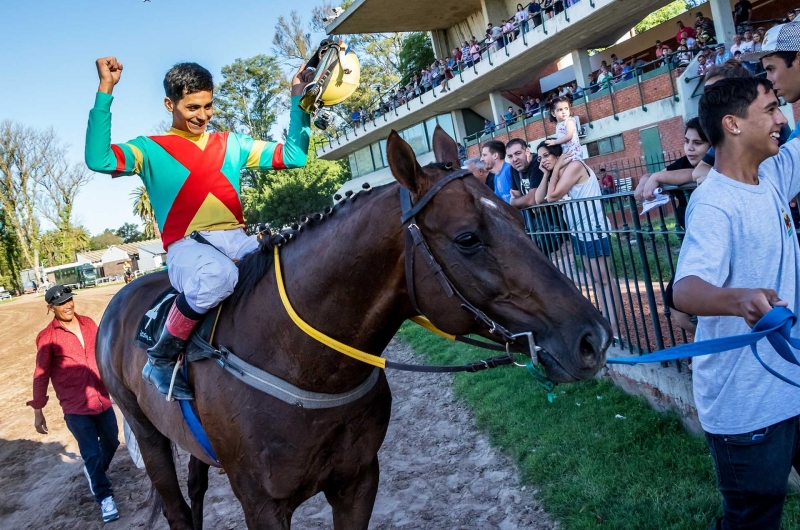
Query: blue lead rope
{"points": [[775, 326]]}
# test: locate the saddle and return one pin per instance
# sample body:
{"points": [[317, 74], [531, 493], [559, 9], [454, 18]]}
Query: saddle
{"points": [[155, 319]]}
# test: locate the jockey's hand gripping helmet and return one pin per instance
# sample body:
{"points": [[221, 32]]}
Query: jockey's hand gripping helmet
{"points": [[336, 78]]}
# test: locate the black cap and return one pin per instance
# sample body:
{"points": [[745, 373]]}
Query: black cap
{"points": [[58, 294]]}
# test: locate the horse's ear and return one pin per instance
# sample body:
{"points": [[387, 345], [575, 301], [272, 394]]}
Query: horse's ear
{"points": [[403, 163], [445, 149]]}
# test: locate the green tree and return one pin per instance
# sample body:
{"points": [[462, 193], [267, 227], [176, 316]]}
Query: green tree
{"points": [[292, 41], [282, 197], [129, 233], [60, 246], [415, 54], [104, 240], [248, 98], [667, 12], [144, 210]]}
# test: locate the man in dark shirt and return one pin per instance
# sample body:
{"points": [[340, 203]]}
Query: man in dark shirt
{"points": [[65, 356], [525, 174], [741, 14]]}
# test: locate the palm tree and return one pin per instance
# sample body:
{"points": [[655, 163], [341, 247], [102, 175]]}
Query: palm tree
{"points": [[144, 210]]}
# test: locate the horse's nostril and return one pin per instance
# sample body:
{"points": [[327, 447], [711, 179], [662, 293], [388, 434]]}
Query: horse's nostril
{"points": [[594, 343], [587, 348]]}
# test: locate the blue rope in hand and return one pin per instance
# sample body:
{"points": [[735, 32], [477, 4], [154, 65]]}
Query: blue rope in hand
{"points": [[775, 326]]}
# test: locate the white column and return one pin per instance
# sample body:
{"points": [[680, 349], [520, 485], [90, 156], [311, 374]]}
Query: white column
{"points": [[493, 11], [458, 124], [498, 106], [581, 66], [439, 42], [723, 21]]}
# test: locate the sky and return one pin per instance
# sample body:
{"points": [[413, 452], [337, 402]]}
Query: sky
{"points": [[48, 76]]}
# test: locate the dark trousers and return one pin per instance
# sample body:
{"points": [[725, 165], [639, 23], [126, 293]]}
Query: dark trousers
{"points": [[98, 439], [752, 473]]}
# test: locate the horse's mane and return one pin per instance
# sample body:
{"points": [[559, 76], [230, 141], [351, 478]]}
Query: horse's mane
{"points": [[254, 266]]}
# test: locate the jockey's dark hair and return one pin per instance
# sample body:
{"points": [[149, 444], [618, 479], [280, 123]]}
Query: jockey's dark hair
{"points": [[728, 97], [187, 78]]}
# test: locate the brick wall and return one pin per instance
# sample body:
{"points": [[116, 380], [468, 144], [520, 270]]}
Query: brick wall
{"points": [[796, 111], [627, 98]]}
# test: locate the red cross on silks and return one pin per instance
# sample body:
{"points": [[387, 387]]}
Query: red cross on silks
{"points": [[205, 177]]}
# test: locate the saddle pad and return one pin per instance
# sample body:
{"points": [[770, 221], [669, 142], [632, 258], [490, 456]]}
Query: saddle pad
{"points": [[153, 321]]}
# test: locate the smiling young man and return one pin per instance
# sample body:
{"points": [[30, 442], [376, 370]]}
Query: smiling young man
{"points": [[780, 57], [739, 259], [65, 356], [192, 178], [493, 154]]}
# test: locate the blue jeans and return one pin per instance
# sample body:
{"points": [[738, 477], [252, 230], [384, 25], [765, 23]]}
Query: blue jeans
{"points": [[752, 472], [98, 439]]}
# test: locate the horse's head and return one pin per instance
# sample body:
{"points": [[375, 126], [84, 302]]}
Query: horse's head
{"points": [[480, 242]]}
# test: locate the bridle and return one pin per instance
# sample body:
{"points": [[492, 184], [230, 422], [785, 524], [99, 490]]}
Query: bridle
{"points": [[415, 241]]}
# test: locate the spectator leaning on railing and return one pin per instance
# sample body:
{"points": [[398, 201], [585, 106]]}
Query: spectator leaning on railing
{"points": [[526, 175], [587, 221], [479, 171], [738, 260], [493, 154]]}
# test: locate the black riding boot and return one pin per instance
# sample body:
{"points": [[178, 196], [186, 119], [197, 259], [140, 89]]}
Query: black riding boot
{"points": [[161, 359]]}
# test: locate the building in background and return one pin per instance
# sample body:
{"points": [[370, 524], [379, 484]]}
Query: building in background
{"points": [[634, 121]]}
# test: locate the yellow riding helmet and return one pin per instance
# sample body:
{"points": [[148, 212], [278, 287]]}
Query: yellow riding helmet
{"points": [[344, 79]]}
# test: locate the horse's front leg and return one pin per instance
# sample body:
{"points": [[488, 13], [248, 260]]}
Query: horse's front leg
{"points": [[352, 501]]}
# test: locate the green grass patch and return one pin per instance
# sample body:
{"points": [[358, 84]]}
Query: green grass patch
{"points": [[592, 470]]}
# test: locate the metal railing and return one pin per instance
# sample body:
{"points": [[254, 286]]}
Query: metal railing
{"points": [[485, 48], [608, 89], [629, 283]]}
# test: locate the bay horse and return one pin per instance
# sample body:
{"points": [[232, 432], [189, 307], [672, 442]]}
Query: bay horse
{"points": [[346, 277]]}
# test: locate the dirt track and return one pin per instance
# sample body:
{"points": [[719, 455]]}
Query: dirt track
{"points": [[437, 470]]}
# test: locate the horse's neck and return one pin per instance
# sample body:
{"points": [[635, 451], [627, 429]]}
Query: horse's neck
{"points": [[346, 279]]}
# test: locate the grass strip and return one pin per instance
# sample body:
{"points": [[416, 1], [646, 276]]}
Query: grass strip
{"points": [[592, 469]]}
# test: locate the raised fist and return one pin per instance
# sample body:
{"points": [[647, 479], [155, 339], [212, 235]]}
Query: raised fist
{"points": [[109, 71]]}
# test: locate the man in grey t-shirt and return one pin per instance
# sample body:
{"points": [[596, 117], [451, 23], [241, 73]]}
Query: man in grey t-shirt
{"points": [[740, 258]]}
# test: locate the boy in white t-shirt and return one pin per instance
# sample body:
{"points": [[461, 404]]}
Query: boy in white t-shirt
{"points": [[739, 259]]}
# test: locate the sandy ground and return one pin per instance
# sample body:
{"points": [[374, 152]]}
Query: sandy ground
{"points": [[437, 470]]}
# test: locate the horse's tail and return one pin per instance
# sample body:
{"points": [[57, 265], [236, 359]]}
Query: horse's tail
{"points": [[156, 504]]}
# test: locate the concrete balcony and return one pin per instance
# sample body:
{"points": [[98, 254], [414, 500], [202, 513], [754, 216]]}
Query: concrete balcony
{"points": [[515, 65]]}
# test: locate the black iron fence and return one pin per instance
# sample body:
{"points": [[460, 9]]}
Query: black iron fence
{"points": [[618, 258]]}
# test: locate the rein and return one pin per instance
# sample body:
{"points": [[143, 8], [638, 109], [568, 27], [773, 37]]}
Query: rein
{"points": [[416, 241]]}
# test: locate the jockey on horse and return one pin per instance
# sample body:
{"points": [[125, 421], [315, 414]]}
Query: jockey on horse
{"points": [[192, 178]]}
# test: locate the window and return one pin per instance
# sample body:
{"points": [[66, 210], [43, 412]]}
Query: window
{"points": [[353, 165], [364, 161], [445, 121], [376, 156], [415, 136], [612, 144]]}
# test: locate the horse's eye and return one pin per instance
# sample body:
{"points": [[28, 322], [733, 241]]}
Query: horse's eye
{"points": [[468, 241]]}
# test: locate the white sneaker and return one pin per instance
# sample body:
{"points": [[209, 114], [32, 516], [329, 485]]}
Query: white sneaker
{"points": [[109, 508]]}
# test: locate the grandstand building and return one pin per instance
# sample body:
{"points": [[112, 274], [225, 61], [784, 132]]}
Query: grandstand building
{"points": [[633, 121]]}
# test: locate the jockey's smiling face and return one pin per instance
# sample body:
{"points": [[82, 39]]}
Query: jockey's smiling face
{"points": [[193, 112]]}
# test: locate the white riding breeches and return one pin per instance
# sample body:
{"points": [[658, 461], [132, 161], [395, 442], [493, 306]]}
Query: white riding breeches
{"points": [[206, 276]]}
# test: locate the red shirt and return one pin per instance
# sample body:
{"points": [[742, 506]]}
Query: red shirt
{"points": [[689, 33], [72, 367]]}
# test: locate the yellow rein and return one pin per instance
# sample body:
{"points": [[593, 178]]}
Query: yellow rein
{"points": [[332, 343]]}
